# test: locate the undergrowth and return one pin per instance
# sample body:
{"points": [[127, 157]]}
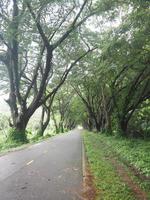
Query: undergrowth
{"points": [[134, 151]]}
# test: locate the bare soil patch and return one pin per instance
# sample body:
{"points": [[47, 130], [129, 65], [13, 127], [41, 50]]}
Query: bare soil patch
{"points": [[89, 189]]}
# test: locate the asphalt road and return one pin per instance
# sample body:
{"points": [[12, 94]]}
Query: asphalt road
{"points": [[50, 170]]}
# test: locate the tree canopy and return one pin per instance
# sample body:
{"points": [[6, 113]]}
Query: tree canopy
{"points": [[85, 61]]}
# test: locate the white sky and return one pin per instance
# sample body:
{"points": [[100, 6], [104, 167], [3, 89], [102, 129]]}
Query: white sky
{"points": [[4, 108]]}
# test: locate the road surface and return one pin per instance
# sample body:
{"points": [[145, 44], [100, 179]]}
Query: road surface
{"points": [[50, 170]]}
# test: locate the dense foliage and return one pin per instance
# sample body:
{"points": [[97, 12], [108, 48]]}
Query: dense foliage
{"points": [[101, 49], [114, 83]]}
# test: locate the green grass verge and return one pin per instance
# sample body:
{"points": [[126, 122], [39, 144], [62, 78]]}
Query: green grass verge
{"points": [[108, 183], [134, 151], [7, 146]]}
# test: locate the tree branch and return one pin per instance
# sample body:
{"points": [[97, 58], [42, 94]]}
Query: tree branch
{"points": [[39, 27], [65, 74]]}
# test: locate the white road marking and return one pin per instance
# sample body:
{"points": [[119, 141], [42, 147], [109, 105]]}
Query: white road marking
{"points": [[29, 163]]}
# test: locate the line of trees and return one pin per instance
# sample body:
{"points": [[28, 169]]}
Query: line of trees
{"points": [[114, 83], [106, 64]]}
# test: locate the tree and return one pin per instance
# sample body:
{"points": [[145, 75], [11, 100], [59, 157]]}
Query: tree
{"points": [[92, 87], [122, 78], [29, 78], [45, 115], [61, 106], [68, 111]]}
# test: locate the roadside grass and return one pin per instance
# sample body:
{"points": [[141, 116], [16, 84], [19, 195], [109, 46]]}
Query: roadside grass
{"points": [[135, 151], [6, 146], [144, 184], [109, 185], [32, 139], [131, 152]]}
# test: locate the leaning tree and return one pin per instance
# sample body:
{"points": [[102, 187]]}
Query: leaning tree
{"points": [[31, 33]]}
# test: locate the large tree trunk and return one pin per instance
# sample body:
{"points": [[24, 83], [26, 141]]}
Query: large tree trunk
{"points": [[21, 123], [123, 127], [98, 126], [18, 131]]}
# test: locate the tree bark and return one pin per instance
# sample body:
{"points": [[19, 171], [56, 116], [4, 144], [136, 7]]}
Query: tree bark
{"points": [[55, 122], [123, 127], [44, 122]]}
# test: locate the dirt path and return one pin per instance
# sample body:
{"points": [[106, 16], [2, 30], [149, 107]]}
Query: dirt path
{"points": [[89, 190], [123, 174]]}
